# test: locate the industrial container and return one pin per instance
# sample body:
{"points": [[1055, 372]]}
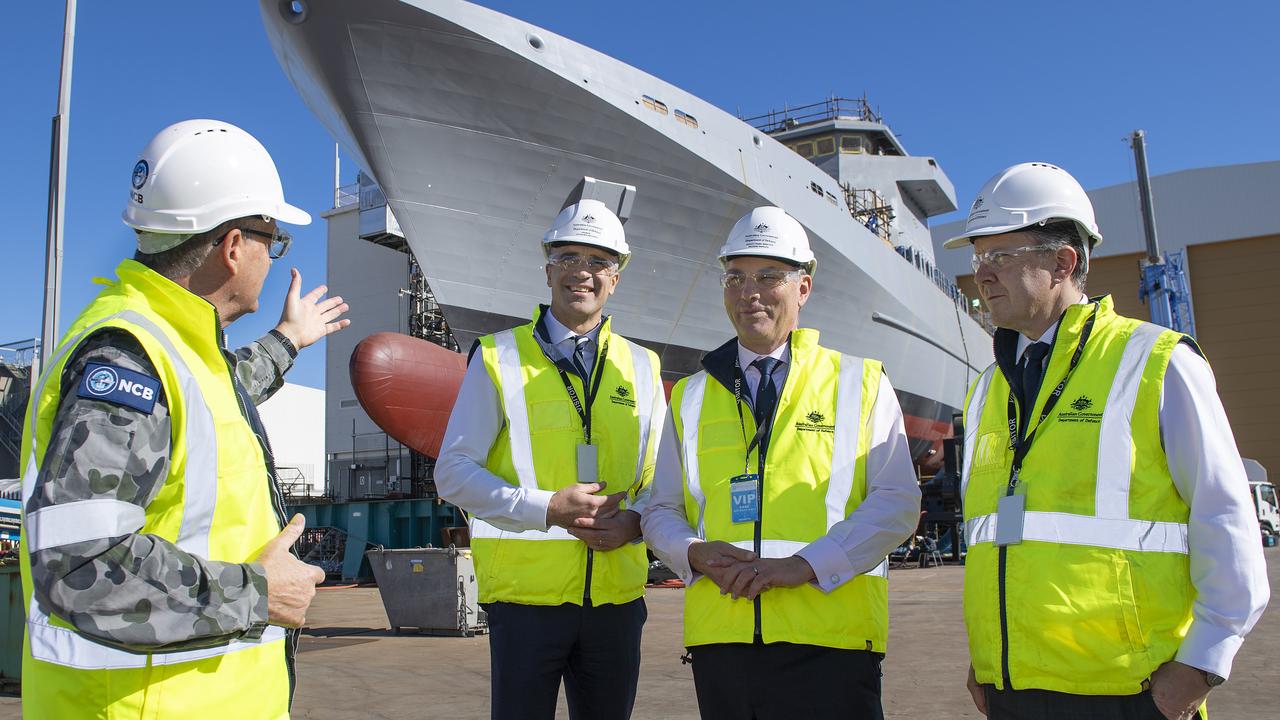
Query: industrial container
{"points": [[12, 624], [432, 590]]}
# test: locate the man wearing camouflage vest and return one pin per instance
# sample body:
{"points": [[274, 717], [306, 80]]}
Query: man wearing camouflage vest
{"points": [[155, 551]]}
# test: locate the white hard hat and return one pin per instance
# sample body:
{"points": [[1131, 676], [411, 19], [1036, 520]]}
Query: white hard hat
{"points": [[1029, 194], [589, 222], [197, 174], [770, 232]]}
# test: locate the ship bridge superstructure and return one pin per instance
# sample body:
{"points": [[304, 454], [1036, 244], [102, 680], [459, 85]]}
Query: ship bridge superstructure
{"points": [[889, 192]]}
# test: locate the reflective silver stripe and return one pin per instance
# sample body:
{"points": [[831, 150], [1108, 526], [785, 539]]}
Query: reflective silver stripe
{"points": [[1067, 529], [690, 414], [972, 416], [66, 647], [81, 521], [787, 548], [270, 635], [483, 529], [844, 454], [1115, 436], [646, 400], [200, 473], [516, 410]]}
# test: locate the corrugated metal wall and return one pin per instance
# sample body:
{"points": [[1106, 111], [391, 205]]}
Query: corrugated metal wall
{"points": [[1234, 293]]}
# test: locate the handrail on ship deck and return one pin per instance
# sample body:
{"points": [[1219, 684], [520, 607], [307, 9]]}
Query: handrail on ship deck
{"points": [[827, 109]]}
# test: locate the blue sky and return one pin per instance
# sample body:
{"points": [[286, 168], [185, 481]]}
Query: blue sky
{"points": [[979, 86]]}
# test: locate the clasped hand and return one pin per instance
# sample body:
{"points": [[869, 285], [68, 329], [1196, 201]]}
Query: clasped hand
{"points": [[742, 574], [597, 520]]}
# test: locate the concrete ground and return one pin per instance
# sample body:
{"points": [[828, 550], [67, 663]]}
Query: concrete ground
{"points": [[350, 665]]}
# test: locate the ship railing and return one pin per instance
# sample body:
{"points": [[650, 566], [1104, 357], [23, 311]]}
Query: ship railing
{"points": [[346, 195], [830, 108], [966, 304]]}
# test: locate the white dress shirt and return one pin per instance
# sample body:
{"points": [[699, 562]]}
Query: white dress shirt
{"points": [[1227, 566], [889, 513], [460, 473]]}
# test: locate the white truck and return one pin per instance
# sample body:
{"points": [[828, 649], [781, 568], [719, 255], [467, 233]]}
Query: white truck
{"points": [[1264, 501]]}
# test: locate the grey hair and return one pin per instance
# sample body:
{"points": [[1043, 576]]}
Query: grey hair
{"points": [[184, 259], [1061, 234]]}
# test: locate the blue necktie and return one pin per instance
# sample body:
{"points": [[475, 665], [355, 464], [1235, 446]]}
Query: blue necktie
{"points": [[766, 392], [1032, 374], [582, 360]]}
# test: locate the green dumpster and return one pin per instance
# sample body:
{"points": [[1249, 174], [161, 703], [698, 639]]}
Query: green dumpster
{"points": [[11, 624]]}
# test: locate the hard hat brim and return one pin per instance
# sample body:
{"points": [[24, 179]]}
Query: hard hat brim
{"points": [[966, 239], [292, 215]]}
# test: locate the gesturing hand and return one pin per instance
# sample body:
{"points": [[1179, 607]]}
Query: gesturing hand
{"points": [[305, 319], [607, 533], [291, 583]]}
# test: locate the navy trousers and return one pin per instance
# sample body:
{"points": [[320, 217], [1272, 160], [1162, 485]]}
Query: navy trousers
{"points": [[1049, 705], [784, 681], [594, 648]]}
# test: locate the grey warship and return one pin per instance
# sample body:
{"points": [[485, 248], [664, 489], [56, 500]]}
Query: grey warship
{"points": [[476, 124]]}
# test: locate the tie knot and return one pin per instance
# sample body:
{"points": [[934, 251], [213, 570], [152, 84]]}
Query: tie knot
{"points": [[766, 365], [1035, 352]]}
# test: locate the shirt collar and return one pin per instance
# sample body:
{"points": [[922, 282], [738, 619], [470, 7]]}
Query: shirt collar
{"points": [[782, 353], [558, 333], [1050, 334]]}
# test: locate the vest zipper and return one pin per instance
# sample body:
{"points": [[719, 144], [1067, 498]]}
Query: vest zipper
{"points": [[758, 635], [277, 502], [1004, 620], [586, 588]]}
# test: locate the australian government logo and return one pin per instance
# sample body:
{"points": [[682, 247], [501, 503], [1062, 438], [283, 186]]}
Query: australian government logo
{"points": [[816, 422], [622, 396], [1081, 411]]}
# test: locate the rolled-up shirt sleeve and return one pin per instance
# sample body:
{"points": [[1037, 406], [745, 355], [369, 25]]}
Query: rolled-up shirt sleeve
{"points": [[1227, 566], [664, 524], [886, 516], [461, 474]]}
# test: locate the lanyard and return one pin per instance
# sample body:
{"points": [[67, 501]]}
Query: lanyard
{"points": [[763, 429], [591, 388], [1021, 447]]}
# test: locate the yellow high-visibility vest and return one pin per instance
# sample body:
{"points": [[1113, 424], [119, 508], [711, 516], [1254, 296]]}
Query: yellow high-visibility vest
{"points": [[216, 503], [537, 449], [1097, 594], [814, 476]]}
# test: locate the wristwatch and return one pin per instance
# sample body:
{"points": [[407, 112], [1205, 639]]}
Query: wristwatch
{"points": [[1212, 680], [286, 342]]}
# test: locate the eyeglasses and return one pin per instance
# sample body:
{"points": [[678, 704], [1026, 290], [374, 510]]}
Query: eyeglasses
{"points": [[1001, 259], [572, 262], [278, 240], [734, 280]]}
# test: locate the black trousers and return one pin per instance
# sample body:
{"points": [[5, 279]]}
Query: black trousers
{"points": [[596, 649], [740, 681], [1049, 705]]}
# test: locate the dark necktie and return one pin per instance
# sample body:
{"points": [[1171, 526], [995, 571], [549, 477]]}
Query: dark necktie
{"points": [[582, 359], [1032, 374], [766, 392]]}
